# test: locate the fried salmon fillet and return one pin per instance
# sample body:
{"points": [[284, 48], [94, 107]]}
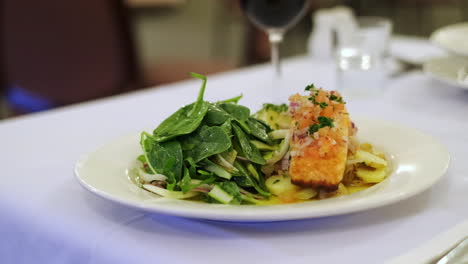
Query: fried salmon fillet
{"points": [[320, 136]]}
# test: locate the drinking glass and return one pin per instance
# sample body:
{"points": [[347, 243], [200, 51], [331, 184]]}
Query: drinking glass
{"points": [[361, 57], [275, 17]]}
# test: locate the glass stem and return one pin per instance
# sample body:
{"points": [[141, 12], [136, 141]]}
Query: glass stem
{"points": [[275, 58], [275, 37]]}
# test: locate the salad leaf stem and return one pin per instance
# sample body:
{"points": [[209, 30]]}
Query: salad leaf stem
{"points": [[234, 100], [201, 93]]}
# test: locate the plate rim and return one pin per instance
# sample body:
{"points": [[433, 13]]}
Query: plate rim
{"points": [[298, 208]]}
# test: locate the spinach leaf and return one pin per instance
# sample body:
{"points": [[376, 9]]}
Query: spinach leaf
{"points": [[203, 175], [257, 174], [227, 128], [163, 158], [208, 199], [192, 166], [221, 113], [265, 124], [258, 130], [232, 189], [186, 119], [242, 176], [216, 115], [249, 180], [204, 142], [239, 112], [248, 149], [237, 148], [142, 158], [253, 171], [244, 126], [186, 182], [242, 181]]}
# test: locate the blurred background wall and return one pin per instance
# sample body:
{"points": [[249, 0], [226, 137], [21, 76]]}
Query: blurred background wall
{"points": [[172, 37]]}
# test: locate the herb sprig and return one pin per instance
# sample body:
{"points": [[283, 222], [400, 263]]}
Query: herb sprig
{"points": [[322, 122], [323, 105], [309, 87], [337, 99]]}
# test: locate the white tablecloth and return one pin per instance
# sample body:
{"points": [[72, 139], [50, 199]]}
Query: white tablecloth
{"points": [[47, 217]]}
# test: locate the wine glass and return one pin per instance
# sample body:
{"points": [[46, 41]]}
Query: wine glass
{"points": [[275, 17]]}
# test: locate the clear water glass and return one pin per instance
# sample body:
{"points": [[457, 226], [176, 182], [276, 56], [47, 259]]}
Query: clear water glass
{"points": [[361, 56]]}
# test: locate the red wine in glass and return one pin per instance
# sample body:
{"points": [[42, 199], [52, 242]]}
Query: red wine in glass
{"points": [[275, 17]]}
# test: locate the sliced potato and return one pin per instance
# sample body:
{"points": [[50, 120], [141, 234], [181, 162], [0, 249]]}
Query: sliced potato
{"points": [[342, 190], [370, 159], [366, 147], [371, 176], [380, 154], [306, 194], [353, 189], [278, 184], [274, 118]]}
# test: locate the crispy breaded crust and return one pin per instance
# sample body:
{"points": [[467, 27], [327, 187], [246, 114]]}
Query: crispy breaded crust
{"points": [[318, 159]]}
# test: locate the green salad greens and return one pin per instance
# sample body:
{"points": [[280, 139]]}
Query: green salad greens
{"points": [[214, 152]]}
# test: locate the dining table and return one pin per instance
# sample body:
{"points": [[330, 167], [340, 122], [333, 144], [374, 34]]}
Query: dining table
{"points": [[46, 216]]}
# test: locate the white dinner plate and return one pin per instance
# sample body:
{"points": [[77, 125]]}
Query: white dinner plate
{"points": [[446, 70], [453, 38], [417, 161]]}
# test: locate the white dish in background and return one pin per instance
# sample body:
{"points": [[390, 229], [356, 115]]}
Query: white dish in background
{"points": [[453, 38], [417, 160], [414, 50], [446, 70]]}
